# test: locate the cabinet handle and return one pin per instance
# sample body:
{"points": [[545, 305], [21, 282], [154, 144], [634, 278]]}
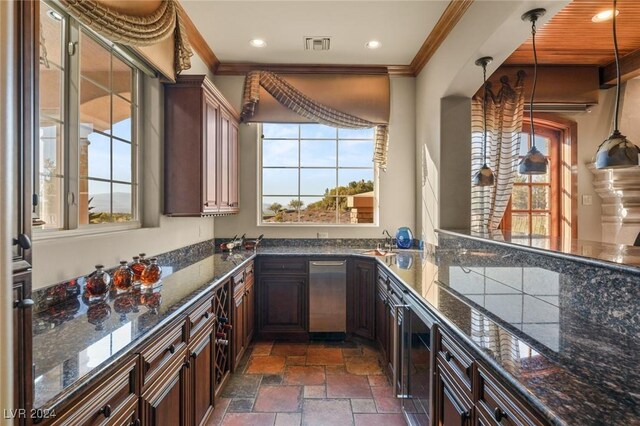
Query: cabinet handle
{"points": [[135, 422], [106, 411], [498, 414], [187, 363], [448, 356], [23, 241], [466, 415], [171, 349], [24, 303], [206, 315]]}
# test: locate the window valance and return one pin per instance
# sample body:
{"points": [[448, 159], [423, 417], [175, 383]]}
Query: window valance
{"points": [[152, 27], [345, 101]]}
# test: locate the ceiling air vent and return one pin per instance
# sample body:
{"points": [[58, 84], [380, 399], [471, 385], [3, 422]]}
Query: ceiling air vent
{"points": [[317, 43]]}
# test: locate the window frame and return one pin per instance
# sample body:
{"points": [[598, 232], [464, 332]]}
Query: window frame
{"points": [[259, 197], [70, 112], [554, 184]]}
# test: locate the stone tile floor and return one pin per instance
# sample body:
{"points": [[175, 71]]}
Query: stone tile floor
{"points": [[311, 384]]}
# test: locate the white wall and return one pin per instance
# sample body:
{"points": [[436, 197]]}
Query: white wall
{"points": [[593, 128], [62, 258], [451, 72], [397, 201]]}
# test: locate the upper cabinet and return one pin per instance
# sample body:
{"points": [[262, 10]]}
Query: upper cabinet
{"points": [[201, 150]]}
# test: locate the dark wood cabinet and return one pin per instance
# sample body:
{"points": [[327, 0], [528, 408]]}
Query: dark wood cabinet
{"points": [[164, 401], [282, 298], [113, 400], [382, 315], [452, 408], [361, 298], [250, 303], [201, 149], [202, 377], [243, 312]]}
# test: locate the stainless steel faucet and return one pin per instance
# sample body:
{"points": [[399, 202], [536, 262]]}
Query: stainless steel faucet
{"points": [[388, 241]]}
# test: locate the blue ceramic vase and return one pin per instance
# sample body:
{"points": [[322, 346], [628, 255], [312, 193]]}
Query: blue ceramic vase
{"points": [[404, 238]]}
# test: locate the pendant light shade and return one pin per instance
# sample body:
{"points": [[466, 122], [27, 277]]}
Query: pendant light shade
{"points": [[534, 163], [616, 151], [484, 176]]}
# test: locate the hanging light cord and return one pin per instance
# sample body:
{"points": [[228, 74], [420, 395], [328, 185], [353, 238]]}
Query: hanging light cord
{"points": [[535, 80], [615, 52], [484, 113]]}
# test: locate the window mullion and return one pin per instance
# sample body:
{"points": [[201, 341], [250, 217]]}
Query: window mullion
{"points": [[72, 127]]}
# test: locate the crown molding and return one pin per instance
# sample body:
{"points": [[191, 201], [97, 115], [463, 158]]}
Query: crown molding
{"points": [[450, 17], [241, 68]]}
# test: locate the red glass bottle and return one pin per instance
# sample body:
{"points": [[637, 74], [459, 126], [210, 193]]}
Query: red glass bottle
{"points": [[98, 284], [123, 277], [137, 267], [151, 273]]}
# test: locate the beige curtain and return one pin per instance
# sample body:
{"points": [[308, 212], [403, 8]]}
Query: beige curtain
{"points": [[504, 127], [301, 104], [104, 18]]}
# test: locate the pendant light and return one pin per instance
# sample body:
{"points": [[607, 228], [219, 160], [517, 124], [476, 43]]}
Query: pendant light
{"points": [[616, 151], [534, 163], [484, 176]]}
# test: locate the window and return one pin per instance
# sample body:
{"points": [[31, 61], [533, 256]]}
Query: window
{"points": [[316, 174], [533, 209], [86, 160]]}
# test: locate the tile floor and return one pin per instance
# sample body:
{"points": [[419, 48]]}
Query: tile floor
{"points": [[311, 384]]}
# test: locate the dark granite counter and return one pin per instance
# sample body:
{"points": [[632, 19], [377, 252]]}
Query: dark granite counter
{"points": [[75, 341], [525, 318]]}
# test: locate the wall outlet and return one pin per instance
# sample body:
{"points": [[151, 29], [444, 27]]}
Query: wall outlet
{"points": [[323, 235], [587, 200]]}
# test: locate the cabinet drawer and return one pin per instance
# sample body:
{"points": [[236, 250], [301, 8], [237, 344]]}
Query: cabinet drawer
{"points": [[383, 277], [162, 351], [498, 407], [201, 316], [237, 283], [108, 402], [456, 359], [283, 266], [249, 275]]}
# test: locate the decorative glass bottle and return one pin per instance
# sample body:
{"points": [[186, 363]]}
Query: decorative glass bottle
{"points": [[98, 283], [143, 259], [137, 267], [151, 273], [123, 277]]}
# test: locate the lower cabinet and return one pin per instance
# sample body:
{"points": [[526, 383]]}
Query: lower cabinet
{"points": [[113, 400], [382, 318], [242, 313], [361, 298], [452, 408], [201, 377], [164, 401]]}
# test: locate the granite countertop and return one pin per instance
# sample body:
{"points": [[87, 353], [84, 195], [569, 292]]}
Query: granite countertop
{"points": [[526, 321], [75, 341]]}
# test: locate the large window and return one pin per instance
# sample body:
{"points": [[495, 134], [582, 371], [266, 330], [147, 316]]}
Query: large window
{"points": [[534, 205], [86, 160], [316, 174]]}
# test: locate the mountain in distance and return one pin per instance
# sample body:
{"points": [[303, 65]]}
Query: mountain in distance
{"points": [[102, 202]]}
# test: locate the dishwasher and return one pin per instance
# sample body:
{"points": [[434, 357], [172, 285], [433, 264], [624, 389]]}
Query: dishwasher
{"points": [[328, 296]]}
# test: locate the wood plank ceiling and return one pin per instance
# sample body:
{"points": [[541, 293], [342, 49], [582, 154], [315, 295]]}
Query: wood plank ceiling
{"points": [[571, 38]]}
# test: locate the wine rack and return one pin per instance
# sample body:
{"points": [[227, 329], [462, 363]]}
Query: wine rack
{"points": [[221, 309]]}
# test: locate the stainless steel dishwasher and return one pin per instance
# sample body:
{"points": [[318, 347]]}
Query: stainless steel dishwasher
{"points": [[327, 296]]}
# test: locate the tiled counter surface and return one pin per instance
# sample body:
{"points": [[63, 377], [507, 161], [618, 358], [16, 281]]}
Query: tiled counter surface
{"points": [[576, 371]]}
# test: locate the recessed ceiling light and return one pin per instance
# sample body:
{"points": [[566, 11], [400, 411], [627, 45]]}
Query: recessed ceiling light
{"points": [[373, 44], [54, 15], [258, 42], [605, 15]]}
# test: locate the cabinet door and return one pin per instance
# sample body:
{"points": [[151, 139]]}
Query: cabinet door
{"points": [[211, 155], [382, 322], [225, 159], [361, 295], [452, 409], [234, 167], [282, 307], [23, 378], [250, 307], [238, 332], [164, 401], [202, 377]]}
